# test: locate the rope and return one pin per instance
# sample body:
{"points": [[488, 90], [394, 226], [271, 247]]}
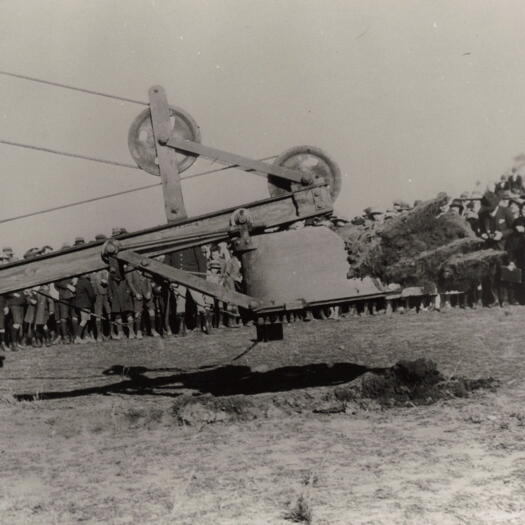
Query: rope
{"points": [[66, 154], [73, 88]]}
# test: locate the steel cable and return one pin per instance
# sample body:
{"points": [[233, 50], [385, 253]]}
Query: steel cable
{"points": [[66, 154], [106, 196], [73, 88]]}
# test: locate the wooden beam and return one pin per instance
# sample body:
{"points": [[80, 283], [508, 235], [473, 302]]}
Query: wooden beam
{"points": [[153, 267], [244, 163], [167, 157], [87, 258]]}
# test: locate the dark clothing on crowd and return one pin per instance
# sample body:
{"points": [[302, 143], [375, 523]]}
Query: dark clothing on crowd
{"points": [[515, 244], [15, 299], [2, 314], [191, 260], [501, 186], [498, 220], [515, 184], [119, 293], [85, 295], [64, 293], [473, 219], [139, 284]]}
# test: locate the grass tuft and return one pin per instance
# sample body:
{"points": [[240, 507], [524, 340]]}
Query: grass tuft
{"points": [[301, 512]]}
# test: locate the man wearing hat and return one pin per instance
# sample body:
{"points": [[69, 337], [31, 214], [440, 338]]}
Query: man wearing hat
{"points": [[79, 241], [503, 184], [504, 198], [142, 297], [66, 310], [118, 230], [376, 215], [515, 182], [456, 207], [495, 222], [16, 302], [191, 260], [472, 217], [514, 207], [8, 253], [32, 252], [397, 206]]}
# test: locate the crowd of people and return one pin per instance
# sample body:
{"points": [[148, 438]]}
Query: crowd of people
{"points": [[121, 302], [496, 216], [118, 302]]}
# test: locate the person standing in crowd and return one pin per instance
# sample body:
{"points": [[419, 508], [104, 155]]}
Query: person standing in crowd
{"points": [[496, 221], [102, 308], [7, 255], [16, 302], [66, 308], [164, 303], [193, 261], [44, 308], [3, 312], [84, 299], [515, 183], [215, 271], [456, 207], [231, 280], [159, 295], [472, 217], [141, 293], [502, 185], [514, 208], [121, 302], [515, 246], [29, 317], [495, 226]]}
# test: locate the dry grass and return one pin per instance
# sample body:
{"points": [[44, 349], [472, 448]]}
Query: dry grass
{"points": [[119, 455]]}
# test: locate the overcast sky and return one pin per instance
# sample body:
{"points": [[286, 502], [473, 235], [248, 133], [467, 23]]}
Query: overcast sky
{"points": [[409, 97]]}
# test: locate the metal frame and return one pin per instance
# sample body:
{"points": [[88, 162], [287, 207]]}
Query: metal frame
{"points": [[137, 249]]}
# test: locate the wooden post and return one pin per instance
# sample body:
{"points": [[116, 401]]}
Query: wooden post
{"points": [[167, 157]]}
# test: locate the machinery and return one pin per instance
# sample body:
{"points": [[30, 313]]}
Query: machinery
{"points": [[284, 269]]}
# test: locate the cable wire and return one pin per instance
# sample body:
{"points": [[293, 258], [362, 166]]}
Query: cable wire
{"points": [[73, 88], [77, 203], [109, 195], [66, 154]]}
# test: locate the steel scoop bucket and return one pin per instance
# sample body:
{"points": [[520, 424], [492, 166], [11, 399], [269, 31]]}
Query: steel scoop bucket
{"points": [[306, 265]]}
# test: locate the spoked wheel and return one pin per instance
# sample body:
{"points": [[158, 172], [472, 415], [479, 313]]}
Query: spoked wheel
{"points": [[307, 159], [141, 141]]}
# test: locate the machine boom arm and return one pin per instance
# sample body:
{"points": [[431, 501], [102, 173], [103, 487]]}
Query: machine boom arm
{"points": [[87, 258]]}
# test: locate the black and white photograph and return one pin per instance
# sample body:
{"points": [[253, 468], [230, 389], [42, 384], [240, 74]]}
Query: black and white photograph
{"points": [[262, 262]]}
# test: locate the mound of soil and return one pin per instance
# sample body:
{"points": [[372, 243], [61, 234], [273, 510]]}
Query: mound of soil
{"points": [[407, 383], [416, 382]]}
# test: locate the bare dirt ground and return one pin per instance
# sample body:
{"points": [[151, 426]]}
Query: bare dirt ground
{"points": [[89, 433]]}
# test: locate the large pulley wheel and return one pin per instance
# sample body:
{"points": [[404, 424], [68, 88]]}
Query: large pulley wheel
{"points": [[308, 159], [141, 141]]}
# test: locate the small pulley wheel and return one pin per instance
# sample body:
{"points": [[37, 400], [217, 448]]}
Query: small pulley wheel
{"points": [[141, 141], [308, 159]]}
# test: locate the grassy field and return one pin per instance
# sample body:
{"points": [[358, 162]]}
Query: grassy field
{"points": [[89, 432]]}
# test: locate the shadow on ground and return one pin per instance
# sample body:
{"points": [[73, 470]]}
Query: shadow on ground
{"points": [[218, 381]]}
